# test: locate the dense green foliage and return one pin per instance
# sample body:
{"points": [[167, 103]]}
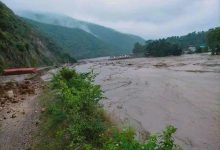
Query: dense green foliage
{"points": [[83, 39], [139, 50], [125, 140], [75, 41], [75, 115], [20, 45], [213, 39], [159, 48], [122, 43], [162, 48], [75, 120], [194, 39]]}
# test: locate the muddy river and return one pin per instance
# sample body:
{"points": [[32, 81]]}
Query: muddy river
{"points": [[151, 93]]}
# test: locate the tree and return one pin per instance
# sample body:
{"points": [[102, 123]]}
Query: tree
{"points": [[213, 40], [138, 49], [194, 39], [161, 48], [198, 49]]}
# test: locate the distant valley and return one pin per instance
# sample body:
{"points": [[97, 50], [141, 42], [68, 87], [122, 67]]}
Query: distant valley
{"points": [[39, 39]]}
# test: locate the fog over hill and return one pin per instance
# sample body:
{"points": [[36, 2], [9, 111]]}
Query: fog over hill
{"points": [[114, 42]]}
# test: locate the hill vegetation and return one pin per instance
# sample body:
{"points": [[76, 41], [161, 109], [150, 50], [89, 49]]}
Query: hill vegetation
{"points": [[84, 39], [213, 40], [197, 40], [194, 39], [158, 48], [74, 41], [21, 46], [163, 48]]}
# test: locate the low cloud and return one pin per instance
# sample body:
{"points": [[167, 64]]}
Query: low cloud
{"points": [[148, 18]]}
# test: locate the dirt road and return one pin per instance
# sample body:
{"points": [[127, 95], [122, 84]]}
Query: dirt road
{"points": [[17, 131], [155, 92], [19, 114]]}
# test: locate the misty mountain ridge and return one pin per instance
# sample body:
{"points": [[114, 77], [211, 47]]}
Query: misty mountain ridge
{"points": [[55, 19], [74, 41], [119, 43]]}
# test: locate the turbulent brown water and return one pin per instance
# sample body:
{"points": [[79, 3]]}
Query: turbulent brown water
{"points": [[152, 93]]}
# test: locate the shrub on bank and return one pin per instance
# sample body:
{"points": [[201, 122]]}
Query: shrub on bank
{"points": [[75, 119]]}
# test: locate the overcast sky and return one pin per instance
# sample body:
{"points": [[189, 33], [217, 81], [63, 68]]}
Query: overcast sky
{"points": [[147, 18]]}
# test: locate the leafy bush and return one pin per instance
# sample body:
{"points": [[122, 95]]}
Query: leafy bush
{"points": [[76, 121], [77, 111], [126, 141]]}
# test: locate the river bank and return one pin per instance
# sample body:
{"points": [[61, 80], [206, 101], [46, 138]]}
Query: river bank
{"points": [[151, 93]]}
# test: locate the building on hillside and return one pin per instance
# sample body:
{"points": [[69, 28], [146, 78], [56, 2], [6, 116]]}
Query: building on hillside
{"points": [[192, 48]]}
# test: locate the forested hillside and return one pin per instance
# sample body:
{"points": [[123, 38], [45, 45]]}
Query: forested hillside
{"points": [[107, 41], [194, 39], [21, 46], [74, 41]]}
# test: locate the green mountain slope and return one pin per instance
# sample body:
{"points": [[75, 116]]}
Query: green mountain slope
{"points": [[124, 42], [118, 43], [191, 39], [76, 42], [21, 46]]}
